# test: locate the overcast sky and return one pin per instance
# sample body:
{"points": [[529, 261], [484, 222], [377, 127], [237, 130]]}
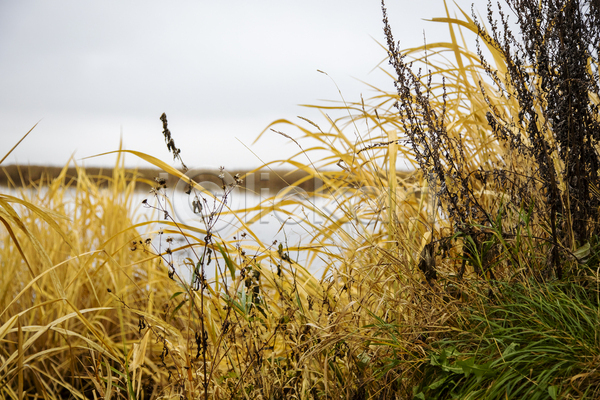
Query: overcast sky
{"points": [[220, 70]]}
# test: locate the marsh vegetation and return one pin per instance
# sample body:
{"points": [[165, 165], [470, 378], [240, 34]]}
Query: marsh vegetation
{"points": [[474, 276]]}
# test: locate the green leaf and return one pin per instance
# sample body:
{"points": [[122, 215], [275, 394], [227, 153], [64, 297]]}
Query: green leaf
{"points": [[438, 383], [582, 252], [420, 396], [178, 307], [113, 384], [510, 350], [480, 371], [553, 392], [175, 295], [442, 360], [228, 261], [113, 369], [467, 365]]}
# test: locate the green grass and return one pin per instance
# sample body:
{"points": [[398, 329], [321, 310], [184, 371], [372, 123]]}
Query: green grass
{"points": [[528, 340]]}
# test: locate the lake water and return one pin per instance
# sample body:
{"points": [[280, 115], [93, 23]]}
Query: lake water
{"points": [[291, 226], [198, 209]]}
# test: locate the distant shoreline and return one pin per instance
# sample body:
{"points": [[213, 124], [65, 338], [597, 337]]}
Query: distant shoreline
{"points": [[36, 175], [275, 179]]}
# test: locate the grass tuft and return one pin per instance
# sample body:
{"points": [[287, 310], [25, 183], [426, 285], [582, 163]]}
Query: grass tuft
{"points": [[473, 273]]}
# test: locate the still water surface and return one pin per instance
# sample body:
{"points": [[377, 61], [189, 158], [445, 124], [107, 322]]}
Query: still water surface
{"points": [[238, 211]]}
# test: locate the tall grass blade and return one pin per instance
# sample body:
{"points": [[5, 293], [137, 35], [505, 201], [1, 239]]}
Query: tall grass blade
{"points": [[18, 143]]}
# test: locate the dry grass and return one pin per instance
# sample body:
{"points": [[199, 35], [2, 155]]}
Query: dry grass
{"points": [[95, 304], [66, 262]]}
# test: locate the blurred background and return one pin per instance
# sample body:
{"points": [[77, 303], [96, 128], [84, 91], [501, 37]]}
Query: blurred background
{"points": [[93, 72]]}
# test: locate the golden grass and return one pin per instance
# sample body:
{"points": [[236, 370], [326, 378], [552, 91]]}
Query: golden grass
{"points": [[92, 308], [96, 316], [66, 261]]}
